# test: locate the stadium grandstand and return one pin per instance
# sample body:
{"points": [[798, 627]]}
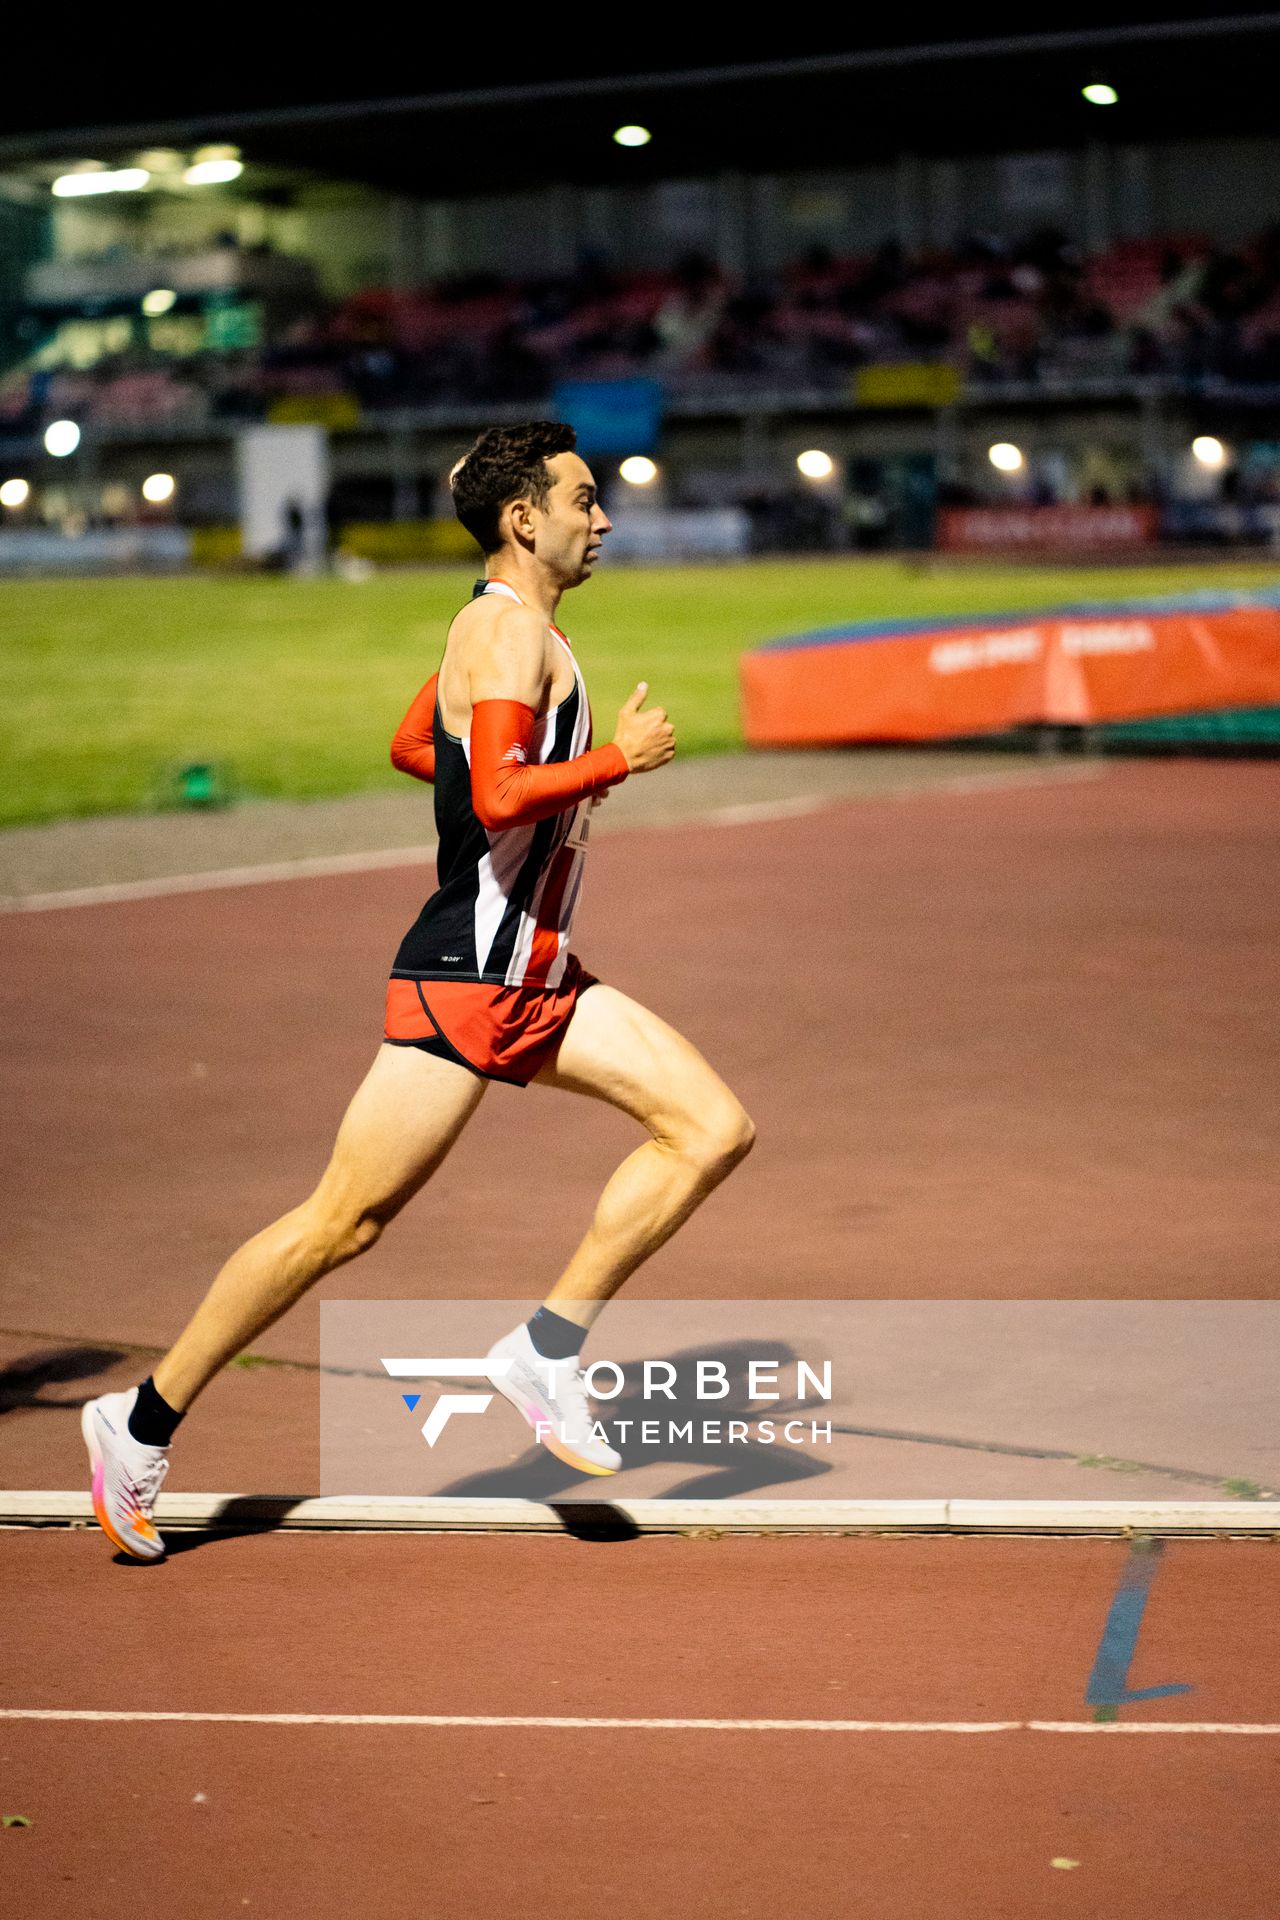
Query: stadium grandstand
{"points": [[1056, 282]]}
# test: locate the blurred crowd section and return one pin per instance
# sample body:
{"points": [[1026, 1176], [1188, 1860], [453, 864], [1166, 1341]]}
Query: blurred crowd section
{"points": [[1178, 310]]}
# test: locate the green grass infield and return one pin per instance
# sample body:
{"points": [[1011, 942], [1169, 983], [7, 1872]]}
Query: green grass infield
{"points": [[297, 686]]}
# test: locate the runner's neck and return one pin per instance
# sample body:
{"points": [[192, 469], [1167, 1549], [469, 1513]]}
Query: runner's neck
{"points": [[494, 585], [539, 593]]}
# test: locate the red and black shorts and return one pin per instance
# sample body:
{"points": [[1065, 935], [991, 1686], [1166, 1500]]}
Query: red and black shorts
{"points": [[501, 1033]]}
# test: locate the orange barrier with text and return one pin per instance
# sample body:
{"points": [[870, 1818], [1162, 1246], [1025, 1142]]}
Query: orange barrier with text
{"points": [[1071, 666]]}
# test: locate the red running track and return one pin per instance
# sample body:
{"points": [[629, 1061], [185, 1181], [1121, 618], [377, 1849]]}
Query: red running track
{"points": [[1007, 1044], [1015, 1045], [197, 1819]]}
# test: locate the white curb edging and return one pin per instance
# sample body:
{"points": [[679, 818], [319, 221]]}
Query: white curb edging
{"points": [[390, 1513]]}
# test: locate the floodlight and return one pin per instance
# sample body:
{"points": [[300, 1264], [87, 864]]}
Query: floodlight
{"points": [[638, 470], [1209, 451], [1005, 456], [632, 136], [74, 186], [61, 437], [159, 487], [1099, 94], [213, 173], [816, 465], [14, 493], [158, 301]]}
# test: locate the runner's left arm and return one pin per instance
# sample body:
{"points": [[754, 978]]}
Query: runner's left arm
{"points": [[413, 750]]}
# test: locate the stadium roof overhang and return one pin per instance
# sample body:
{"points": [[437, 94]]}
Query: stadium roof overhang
{"points": [[517, 122]]}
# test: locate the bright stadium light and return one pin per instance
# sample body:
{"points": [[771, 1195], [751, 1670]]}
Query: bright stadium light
{"points": [[61, 437], [1208, 451], [816, 465], [1099, 94], [632, 136], [638, 470], [14, 494], [213, 173], [159, 300], [73, 186], [1005, 456], [159, 487]]}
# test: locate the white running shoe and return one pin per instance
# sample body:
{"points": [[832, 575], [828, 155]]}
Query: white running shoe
{"points": [[126, 1475], [560, 1413]]}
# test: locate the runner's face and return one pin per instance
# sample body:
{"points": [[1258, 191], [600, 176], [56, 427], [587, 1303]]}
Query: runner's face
{"points": [[573, 523]]}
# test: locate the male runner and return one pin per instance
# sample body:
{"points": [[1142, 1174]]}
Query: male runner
{"points": [[483, 988]]}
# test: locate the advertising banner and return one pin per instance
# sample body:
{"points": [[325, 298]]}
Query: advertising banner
{"points": [[1065, 666], [611, 416], [907, 383], [1066, 529]]}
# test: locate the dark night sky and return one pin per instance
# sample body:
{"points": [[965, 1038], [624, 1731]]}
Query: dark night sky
{"points": [[1176, 87]]}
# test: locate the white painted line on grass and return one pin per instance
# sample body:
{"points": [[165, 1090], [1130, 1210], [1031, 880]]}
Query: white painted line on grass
{"points": [[218, 877], [442, 1513], [752, 812], [994, 782], [622, 1723], [318, 866], [748, 812]]}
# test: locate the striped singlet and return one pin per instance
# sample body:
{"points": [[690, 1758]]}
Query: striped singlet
{"points": [[504, 907]]}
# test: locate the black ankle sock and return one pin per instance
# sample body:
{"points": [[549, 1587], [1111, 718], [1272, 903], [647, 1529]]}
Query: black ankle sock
{"points": [[554, 1337], [153, 1420]]}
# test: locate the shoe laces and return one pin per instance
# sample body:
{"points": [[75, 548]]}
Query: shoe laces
{"points": [[573, 1395], [147, 1480]]}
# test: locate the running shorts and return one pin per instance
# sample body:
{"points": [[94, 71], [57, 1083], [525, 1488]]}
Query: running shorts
{"points": [[501, 1033]]}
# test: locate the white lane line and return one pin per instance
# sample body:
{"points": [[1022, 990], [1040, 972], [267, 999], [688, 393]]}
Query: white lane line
{"points": [[218, 877], [747, 813], [1153, 1726], [752, 811], [571, 1722]]}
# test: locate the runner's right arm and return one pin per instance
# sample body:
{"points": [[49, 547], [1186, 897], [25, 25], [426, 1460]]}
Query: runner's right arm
{"points": [[506, 791], [509, 678]]}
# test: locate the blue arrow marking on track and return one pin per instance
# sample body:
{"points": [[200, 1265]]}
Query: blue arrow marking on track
{"points": [[411, 1400], [1108, 1683]]}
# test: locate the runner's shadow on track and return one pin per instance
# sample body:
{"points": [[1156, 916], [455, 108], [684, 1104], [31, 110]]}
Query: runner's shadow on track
{"points": [[23, 1380], [238, 1519], [722, 1471]]}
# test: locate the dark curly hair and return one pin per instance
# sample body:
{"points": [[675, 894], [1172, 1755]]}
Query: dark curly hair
{"points": [[506, 464]]}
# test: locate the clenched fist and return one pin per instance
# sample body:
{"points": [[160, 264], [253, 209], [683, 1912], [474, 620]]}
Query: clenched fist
{"points": [[648, 740]]}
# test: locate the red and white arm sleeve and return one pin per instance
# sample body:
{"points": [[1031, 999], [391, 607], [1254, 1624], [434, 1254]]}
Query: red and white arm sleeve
{"points": [[506, 791], [413, 749]]}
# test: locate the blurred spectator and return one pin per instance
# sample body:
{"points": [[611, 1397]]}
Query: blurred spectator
{"points": [[1031, 310]]}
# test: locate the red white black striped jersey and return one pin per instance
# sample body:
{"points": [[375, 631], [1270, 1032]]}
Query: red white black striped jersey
{"points": [[504, 907]]}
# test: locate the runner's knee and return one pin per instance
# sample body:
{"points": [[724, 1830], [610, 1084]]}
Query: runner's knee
{"points": [[718, 1137], [339, 1233], [361, 1232]]}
